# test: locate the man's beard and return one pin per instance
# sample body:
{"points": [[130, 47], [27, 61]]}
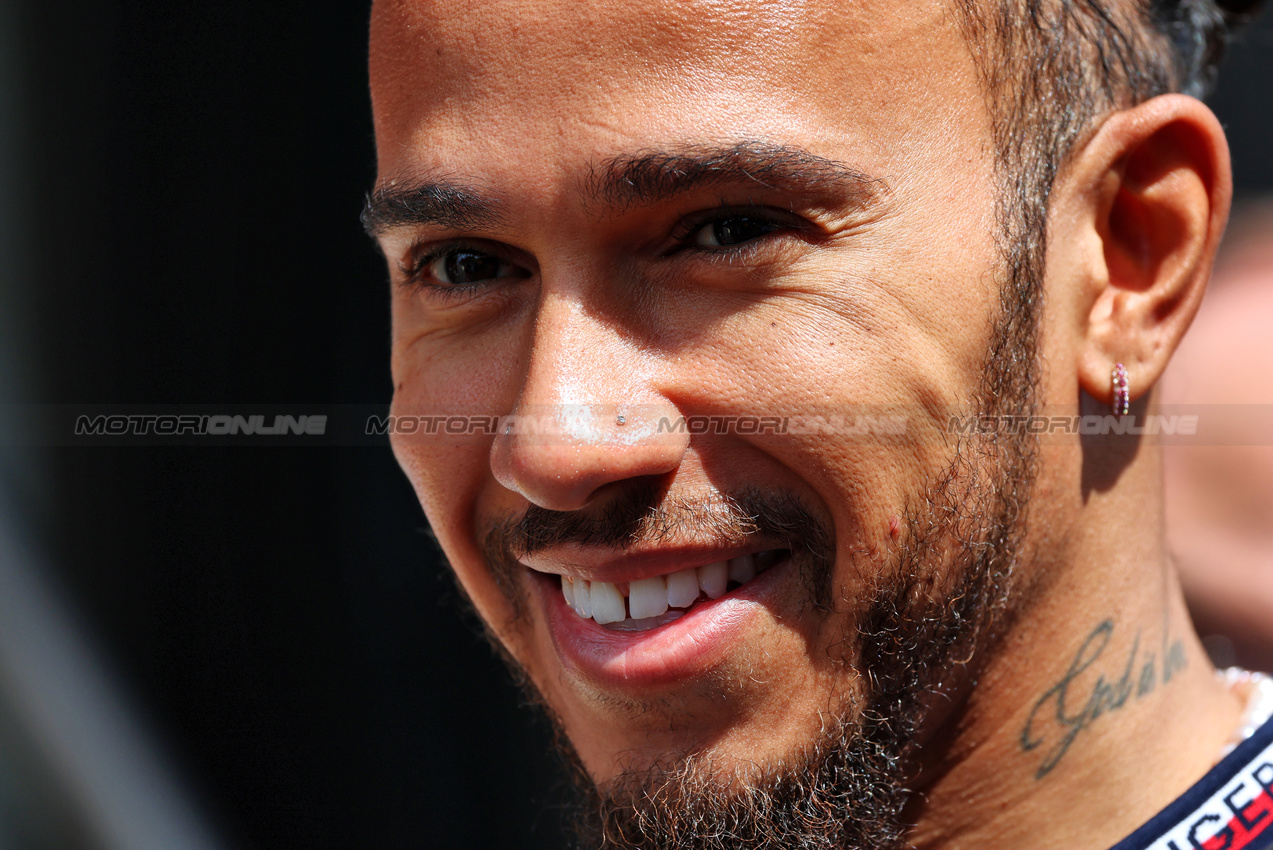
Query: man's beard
{"points": [[939, 604], [850, 787]]}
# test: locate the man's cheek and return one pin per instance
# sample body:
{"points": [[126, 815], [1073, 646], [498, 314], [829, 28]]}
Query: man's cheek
{"points": [[867, 468], [441, 471], [493, 607], [446, 476]]}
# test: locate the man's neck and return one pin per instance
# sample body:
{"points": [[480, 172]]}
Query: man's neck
{"points": [[1098, 706]]}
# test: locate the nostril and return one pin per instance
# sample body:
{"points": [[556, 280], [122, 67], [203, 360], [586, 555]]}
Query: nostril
{"points": [[549, 476], [558, 457]]}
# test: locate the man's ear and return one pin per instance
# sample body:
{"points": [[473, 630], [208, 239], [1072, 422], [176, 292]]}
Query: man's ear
{"points": [[1152, 192]]}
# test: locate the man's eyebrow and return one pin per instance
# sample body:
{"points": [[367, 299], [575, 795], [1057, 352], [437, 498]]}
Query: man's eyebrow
{"points": [[442, 203], [657, 175], [625, 180]]}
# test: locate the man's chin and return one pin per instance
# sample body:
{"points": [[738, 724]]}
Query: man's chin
{"points": [[843, 789]]}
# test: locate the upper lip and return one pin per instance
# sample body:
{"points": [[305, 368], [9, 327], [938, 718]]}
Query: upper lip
{"points": [[602, 564]]}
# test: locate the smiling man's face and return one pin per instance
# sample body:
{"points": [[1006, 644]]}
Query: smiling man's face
{"points": [[600, 219]]}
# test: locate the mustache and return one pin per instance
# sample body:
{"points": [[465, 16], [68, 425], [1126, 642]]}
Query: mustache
{"points": [[641, 515]]}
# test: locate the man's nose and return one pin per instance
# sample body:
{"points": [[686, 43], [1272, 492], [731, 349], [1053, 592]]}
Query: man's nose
{"points": [[587, 415]]}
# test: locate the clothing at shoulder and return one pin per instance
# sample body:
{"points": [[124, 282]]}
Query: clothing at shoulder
{"points": [[1231, 808]]}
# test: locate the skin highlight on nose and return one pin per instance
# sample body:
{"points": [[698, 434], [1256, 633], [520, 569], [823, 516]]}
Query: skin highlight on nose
{"points": [[559, 456]]}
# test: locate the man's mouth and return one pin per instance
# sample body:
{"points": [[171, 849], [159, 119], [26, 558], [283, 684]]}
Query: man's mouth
{"points": [[654, 601], [657, 616]]}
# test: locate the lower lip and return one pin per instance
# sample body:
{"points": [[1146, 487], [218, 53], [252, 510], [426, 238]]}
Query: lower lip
{"points": [[682, 649]]}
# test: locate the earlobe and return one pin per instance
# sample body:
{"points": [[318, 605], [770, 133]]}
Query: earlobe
{"points": [[1159, 202]]}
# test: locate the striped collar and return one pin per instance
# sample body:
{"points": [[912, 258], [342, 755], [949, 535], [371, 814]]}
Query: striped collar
{"points": [[1231, 808]]}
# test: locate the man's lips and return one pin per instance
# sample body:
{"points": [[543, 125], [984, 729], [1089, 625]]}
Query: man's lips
{"points": [[658, 626]]}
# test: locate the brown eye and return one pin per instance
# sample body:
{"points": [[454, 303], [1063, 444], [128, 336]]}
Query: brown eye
{"points": [[734, 230], [463, 267]]}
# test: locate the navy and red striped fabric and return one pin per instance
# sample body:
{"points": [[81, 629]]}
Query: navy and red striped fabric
{"points": [[1231, 808]]}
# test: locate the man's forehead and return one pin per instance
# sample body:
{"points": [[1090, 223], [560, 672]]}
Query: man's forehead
{"points": [[529, 50], [522, 91], [617, 31]]}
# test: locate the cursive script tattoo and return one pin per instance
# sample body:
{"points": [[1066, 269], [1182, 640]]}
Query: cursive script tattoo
{"points": [[1062, 713]]}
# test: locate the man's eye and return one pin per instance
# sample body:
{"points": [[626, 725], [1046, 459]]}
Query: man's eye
{"points": [[735, 230], [466, 267]]}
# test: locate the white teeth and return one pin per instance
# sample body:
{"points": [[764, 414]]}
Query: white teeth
{"points": [[682, 588], [714, 578], [648, 598], [742, 570], [607, 603]]}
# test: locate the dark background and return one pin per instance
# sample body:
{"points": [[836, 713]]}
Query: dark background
{"points": [[190, 179], [181, 188]]}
